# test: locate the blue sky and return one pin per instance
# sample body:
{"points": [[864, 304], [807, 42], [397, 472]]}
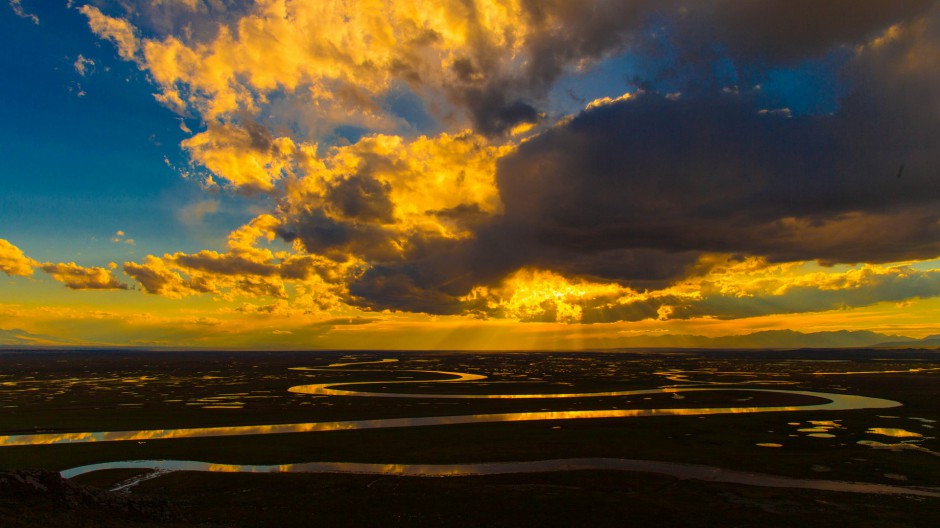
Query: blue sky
{"points": [[85, 155]]}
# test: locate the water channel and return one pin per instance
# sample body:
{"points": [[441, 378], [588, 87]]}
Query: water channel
{"points": [[675, 469], [830, 402]]}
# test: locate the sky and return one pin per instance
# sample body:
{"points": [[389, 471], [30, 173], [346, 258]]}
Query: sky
{"points": [[466, 174]]}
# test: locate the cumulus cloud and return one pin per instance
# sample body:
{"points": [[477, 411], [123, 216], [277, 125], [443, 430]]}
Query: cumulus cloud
{"points": [[14, 262], [17, 7], [247, 156], [83, 65], [611, 214], [247, 271], [794, 30], [117, 30], [81, 278], [725, 288], [636, 190], [491, 62], [120, 237], [715, 175], [484, 62], [379, 198]]}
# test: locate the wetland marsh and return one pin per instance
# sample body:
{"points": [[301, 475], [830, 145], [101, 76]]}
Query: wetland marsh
{"points": [[860, 421]]}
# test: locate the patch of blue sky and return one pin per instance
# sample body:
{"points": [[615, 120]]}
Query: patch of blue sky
{"points": [[812, 87], [287, 112], [348, 134], [611, 77], [651, 63], [926, 265], [84, 155], [402, 102]]}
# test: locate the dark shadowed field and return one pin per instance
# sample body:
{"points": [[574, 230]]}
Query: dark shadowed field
{"points": [[63, 392]]}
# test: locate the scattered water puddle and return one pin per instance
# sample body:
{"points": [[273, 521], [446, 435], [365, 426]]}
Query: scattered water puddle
{"points": [[819, 428], [894, 433], [902, 446]]}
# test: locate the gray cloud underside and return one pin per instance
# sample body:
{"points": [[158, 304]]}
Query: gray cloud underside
{"points": [[766, 31], [636, 191]]}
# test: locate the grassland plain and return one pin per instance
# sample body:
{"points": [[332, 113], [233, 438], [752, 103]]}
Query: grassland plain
{"points": [[69, 391]]}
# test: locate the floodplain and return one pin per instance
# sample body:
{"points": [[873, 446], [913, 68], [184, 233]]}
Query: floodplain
{"points": [[682, 437]]}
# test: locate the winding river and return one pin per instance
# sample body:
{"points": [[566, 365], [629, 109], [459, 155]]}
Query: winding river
{"points": [[830, 402], [675, 469]]}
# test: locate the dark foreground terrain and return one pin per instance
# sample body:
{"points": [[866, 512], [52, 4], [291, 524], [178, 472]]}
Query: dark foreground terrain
{"points": [[67, 392]]}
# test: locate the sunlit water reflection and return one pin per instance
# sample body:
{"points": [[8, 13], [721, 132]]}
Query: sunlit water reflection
{"points": [[893, 432], [679, 470], [836, 402], [833, 402], [830, 402]]}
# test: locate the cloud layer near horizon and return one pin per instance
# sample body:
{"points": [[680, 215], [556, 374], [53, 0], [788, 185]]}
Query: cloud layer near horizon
{"points": [[418, 162]]}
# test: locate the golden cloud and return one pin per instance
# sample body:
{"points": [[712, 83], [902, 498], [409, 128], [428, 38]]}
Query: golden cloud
{"points": [[246, 156], [538, 295], [117, 30], [81, 278], [719, 286], [271, 83], [417, 186], [340, 54], [247, 271], [13, 261]]}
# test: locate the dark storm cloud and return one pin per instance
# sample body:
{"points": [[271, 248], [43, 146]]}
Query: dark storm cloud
{"points": [[562, 33], [493, 115], [768, 30], [337, 239], [636, 191], [569, 32], [411, 288], [362, 198], [716, 175], [792, 30]]}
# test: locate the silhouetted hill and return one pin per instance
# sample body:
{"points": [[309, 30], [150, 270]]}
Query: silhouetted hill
{"points": [[778, 339]]}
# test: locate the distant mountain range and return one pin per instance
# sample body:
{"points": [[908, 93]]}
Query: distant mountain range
{"points": [[15, 338], [789, 339]]}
